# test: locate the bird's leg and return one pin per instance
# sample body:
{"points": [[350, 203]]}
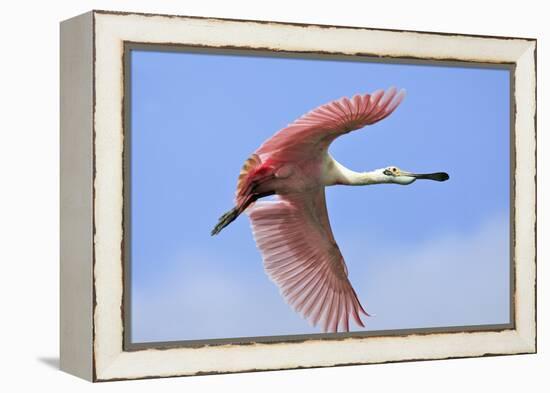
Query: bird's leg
{"points": [[232, 214], [246, 197], [258, 180], [253, 198]]}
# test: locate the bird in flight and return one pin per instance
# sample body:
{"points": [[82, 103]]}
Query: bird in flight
{"points": [[293, 231]]}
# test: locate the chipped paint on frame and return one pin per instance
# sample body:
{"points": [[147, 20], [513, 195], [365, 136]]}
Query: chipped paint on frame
{"points": [[113, 361]]}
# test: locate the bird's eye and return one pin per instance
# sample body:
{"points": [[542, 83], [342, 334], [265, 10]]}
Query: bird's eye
{"points": [[394, 169]]}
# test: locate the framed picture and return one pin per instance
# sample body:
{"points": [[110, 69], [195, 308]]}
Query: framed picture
{"points": [[209, 222]]}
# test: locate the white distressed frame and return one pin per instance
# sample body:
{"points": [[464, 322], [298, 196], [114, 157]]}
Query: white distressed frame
{"points": [[108, 360]]}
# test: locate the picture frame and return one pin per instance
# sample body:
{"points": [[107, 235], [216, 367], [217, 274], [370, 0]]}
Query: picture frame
{"points": [[94, 264]]}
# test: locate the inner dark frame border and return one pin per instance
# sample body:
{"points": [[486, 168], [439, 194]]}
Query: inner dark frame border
{"points": [[129, 46]]}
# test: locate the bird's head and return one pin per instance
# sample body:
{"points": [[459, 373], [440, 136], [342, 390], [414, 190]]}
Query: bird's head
{"points": [[393, 174]]}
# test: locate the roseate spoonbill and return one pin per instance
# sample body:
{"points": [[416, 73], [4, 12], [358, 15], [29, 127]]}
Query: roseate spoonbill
{"points": [[293, 231]]}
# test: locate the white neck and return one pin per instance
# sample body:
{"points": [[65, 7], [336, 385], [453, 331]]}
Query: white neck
{"points": [[339, 174]]}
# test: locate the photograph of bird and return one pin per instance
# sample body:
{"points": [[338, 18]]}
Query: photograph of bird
{"points": [[292, 231]]}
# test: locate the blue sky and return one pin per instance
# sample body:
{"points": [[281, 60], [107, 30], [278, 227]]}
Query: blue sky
{"points": [[425, 255]]}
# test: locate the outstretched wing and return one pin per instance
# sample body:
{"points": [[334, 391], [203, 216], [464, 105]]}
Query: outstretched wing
{"points": [[316, 129], [301, 256]]}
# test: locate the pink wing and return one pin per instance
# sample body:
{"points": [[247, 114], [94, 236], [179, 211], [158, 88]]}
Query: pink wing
{"points": [[301, 256], [318, 128]]}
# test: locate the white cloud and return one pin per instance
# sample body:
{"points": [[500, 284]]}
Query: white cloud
{"points": [[455, 279], [199, 300]]}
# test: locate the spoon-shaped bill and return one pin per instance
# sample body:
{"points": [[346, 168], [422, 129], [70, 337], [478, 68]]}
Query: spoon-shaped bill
{"points": [[437, 176]]}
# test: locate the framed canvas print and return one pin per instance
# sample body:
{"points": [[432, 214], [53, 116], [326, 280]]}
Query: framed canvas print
{"points": [[246, 195]]}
